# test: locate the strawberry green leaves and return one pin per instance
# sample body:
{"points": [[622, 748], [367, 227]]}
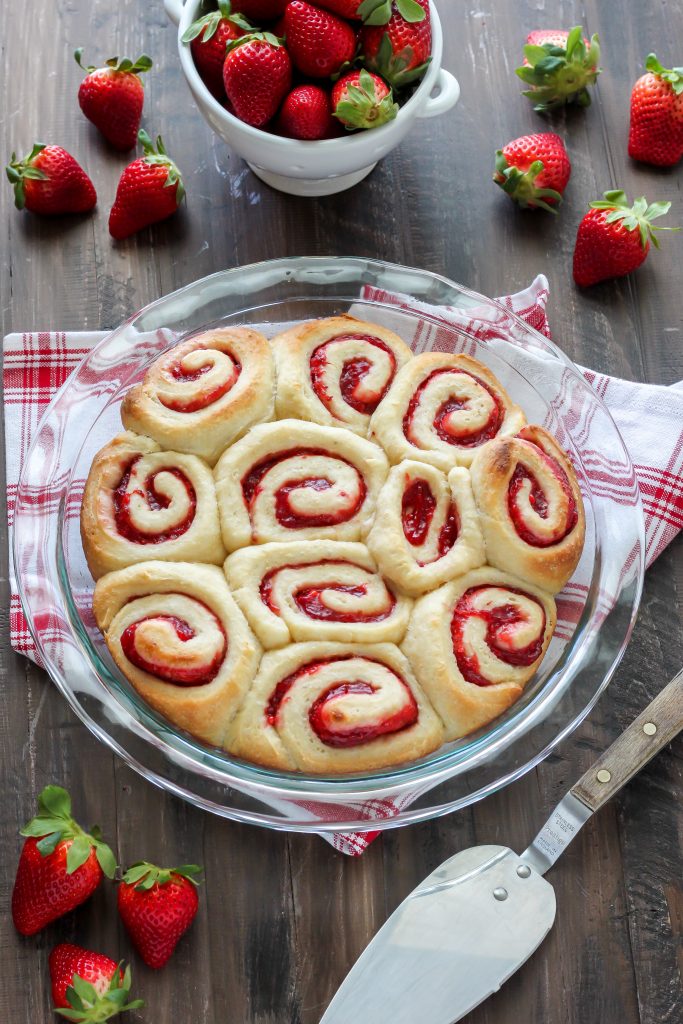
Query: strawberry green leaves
{"points": [[208, 25], [19, 171], [144, 876], [87, 1007], [160, 157], [122, 64], [560, 74], [54, 824], [637, 217], [378, 12], [674, 76]]}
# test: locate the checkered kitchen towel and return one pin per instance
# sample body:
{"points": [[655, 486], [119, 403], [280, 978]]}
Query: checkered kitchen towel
{"points": [[649, 417]]}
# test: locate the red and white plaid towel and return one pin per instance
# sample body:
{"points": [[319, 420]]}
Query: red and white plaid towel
{"points": [[649, 417]]}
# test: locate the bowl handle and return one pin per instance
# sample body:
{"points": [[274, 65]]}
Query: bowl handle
{"points": [[174, 10], [447, 96]]}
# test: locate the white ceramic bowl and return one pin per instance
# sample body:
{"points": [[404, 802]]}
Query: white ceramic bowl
{"points": [[330, 165]]}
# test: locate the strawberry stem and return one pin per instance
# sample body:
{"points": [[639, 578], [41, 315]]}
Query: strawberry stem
{"points": [[54, 824], [142, 875], [124, 65], [674, 76], [637, 217]]}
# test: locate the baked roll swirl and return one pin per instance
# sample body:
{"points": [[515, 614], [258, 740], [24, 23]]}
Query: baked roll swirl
{"points": [[334, 708], [531, 509], [428, 530], [204, 393], [292, 480], [140, 502], [336, 371], [441, 409], [475, 643], [315, 590], [176, 634]]}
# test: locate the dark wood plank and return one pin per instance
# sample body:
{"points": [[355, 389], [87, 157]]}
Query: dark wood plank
{"points": [[283, 918]]}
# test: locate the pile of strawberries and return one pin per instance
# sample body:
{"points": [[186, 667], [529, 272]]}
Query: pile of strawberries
{"points": [[50, 181], [614, 236], [312, 70], [60, 866]]}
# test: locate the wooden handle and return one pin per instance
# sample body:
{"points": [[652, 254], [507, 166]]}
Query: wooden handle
{"points": [[651, 731]]}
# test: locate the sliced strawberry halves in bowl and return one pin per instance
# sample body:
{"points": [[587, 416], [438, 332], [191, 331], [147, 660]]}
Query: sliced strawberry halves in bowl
{"points": [[534, 170]]}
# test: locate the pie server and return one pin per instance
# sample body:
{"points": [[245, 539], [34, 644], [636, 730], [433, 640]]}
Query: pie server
{"points": [[476, 919]]}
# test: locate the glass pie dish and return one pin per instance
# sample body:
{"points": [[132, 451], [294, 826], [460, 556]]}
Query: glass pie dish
{"points": [[596, 610]]}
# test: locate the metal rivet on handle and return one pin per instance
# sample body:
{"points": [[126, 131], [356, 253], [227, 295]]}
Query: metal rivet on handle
{"points": [[500, 894], [603, 775], [649, 728], [523, 870]]}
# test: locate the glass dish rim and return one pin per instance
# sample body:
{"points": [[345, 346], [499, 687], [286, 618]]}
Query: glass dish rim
{"points": [[292, 786]]}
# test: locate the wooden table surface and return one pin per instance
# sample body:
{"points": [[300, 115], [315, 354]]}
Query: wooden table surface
{"points": [[283, 917]]}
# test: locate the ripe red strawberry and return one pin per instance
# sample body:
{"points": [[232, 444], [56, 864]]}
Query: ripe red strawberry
{"points": [[89, 986], [342, 8], [157, 906], [149, 190], [60, 864], [112, 98], [257, 75], [362, 100], [260, 10], [559, 66], [50, 181], [656, 132], [306, 113], [534, 170], [320, 43], [208, 38], [614, 238], [398, 49]]}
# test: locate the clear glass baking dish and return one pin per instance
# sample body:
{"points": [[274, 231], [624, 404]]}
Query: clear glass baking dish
{"points": [[597, 609]]}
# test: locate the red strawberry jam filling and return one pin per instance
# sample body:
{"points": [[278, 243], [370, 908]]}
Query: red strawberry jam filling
{"points": [[417, 511], [122, 498], [287, 516], [311, 599], [501, 627], [354, 371], [327, 719], [173, 671], [446, 423], [204, 398], [538, 500]]}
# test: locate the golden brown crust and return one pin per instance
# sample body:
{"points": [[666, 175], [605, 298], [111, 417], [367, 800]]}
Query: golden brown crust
{"points": [[235, 392], [550, 562], [288, 741], [405, 423], [198, 595], [350, 599], [297, 397], [187, 515], [463, 705], [354, 468]]}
